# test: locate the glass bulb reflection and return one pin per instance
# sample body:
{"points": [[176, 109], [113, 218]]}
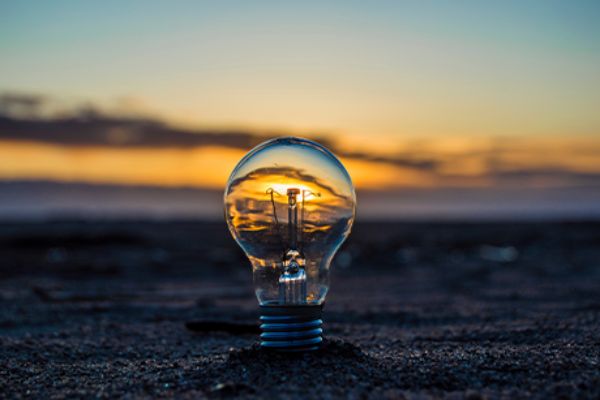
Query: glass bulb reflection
{"points": [[290, 204]]}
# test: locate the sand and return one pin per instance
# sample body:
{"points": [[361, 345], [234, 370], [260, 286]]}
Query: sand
{"points": [[126, 309]]}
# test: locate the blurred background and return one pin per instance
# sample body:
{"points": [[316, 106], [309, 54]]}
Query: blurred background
{"points": [[471, 130], [459, 110]]}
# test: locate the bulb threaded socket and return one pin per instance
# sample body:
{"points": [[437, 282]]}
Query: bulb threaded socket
{"points": [[291, 327]]}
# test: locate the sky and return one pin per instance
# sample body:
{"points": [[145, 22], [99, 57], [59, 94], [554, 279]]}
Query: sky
{"points": [[430, 95]]}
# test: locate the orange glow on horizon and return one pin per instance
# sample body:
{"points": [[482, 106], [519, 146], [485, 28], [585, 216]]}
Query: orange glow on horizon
{"points": [[204, 167], [462, 162], [207, 167]]}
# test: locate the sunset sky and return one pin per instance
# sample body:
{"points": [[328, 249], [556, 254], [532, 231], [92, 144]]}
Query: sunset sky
{"points": [[410, 94]]}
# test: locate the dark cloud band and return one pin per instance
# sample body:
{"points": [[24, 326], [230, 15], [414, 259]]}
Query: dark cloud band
{"points": [[21, 119]]}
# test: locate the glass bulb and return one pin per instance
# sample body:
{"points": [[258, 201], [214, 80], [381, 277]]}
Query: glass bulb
{"points": [[290, 204]]}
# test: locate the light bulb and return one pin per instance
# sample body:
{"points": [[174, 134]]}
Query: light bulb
{"points": [[290, 204]]}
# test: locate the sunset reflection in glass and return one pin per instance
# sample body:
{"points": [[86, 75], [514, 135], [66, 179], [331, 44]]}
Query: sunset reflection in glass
{"points": [[290, 204]]}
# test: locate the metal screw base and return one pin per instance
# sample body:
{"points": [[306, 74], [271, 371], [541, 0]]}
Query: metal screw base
{"points": [[291, 327]]}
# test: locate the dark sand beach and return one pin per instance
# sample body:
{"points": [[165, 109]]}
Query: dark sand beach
{"points": [[139, 309]]}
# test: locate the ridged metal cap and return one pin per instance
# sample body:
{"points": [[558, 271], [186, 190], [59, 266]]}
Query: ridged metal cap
{"points": [[291, 327]]}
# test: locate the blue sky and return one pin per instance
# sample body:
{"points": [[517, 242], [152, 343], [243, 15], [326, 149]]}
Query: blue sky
{"points": [[500, 96], [394, 68]]}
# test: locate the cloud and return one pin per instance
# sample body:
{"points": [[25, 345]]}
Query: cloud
{"points": [[547, 174], [21, 104], [30, 117], [23, 117], [89, 127], [427, 164]]}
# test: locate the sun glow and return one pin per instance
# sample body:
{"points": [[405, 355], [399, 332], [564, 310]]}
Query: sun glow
{"points": [[465, 164], [304, 191], [199, 167]]}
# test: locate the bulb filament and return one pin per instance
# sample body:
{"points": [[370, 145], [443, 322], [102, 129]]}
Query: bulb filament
{"points": [[292, 281], [293, 217]]}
